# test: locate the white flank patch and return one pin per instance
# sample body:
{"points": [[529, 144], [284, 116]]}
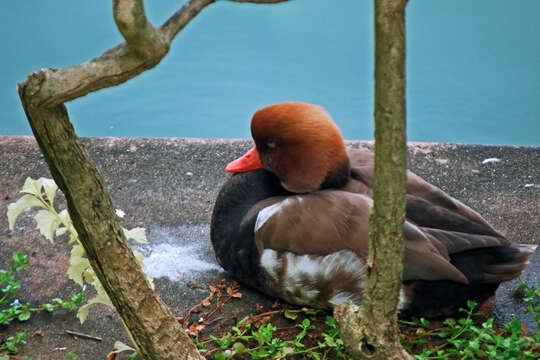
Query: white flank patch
{"points": [[343, 259], [266, 214], [271, 263], [403, 303], [304, 272]]}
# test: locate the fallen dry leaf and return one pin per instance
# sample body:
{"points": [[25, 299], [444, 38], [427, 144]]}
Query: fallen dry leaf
{"points": [[222, 284], [194, 329], [207, 302]]}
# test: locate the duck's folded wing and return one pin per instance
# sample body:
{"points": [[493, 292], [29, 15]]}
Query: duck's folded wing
{"points": [[427, 205], [318, 223], [329, 221]]}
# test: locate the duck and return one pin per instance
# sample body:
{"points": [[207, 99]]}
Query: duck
{"points": [[293, 222]]}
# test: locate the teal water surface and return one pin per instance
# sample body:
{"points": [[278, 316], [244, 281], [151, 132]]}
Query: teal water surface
{"points": [[473, 67]]}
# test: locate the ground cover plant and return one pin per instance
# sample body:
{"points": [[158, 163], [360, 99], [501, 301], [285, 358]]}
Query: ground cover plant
{"points": [[298, 333]]}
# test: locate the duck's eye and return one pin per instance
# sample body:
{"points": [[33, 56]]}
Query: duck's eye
{"points": [[271, 144]]}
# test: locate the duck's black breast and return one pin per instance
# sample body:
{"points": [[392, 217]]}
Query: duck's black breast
{"points": [[232, 233]]}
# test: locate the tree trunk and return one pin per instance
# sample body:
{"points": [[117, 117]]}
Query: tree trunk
{"points": [[153, 327], [370, 331]]}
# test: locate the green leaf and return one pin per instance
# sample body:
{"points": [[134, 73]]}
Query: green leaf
{"points": [[290, 314], [16, 208], [239, 348], [25, 315], [72, 356], [20, 259], [137, 234], [220, 355], [47, 222]]}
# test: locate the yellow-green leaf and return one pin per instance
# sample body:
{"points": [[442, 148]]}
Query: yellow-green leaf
{"points": [[101, 298], [16, 208], [139, 257], [47, 223], [290, 314], [64, 215], [34, 187], [77, 265], [82, 313], [31, 186], [60, 231], [50, 188], [119, 347], [151, 281], [138, 234]]}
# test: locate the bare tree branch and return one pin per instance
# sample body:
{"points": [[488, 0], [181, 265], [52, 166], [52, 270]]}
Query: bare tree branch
{"points": [[154, 329], [182, 17], [123, 62], [131, 20]]}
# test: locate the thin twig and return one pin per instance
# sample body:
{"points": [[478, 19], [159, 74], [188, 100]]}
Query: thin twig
{"points": [[188, 315], [86, 336]]}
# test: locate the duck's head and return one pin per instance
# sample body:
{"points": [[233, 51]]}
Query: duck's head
{"points": [[298, 142]]}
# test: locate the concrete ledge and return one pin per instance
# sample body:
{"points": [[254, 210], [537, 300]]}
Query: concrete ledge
{"points": [[169, 186]]}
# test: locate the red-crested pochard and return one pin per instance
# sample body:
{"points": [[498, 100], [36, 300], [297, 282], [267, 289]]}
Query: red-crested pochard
{"points": [[293, 222]]}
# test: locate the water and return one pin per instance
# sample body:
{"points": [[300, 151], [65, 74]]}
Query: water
{"points": [[473, 67]]}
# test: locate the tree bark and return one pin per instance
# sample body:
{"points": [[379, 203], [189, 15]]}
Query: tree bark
{"points": [[370, 331], [153, 327]]}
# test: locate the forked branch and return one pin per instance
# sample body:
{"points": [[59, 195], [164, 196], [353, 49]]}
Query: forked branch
{"points": [[144, 48], [154, 329]]}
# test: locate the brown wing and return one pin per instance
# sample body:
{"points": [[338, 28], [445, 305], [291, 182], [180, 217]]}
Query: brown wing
{"points": [[328, 221], [427, 205]]}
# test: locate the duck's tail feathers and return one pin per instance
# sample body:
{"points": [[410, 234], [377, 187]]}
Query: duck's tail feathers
{"points": [[494, 264], [485, 268], [508, 263]]}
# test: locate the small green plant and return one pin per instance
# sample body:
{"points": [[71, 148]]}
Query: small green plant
{"points": [[530, 295], [39, 194], [465, 339], [10, 344], [264, 342], [12, 309]]}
